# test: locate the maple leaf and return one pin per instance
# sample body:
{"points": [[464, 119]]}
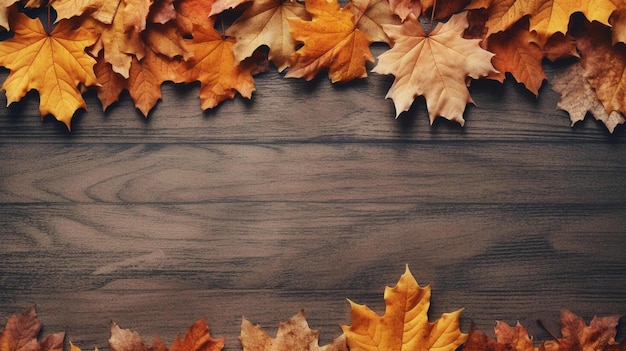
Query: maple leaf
{"points": [[370, 16], [516, 53], [197, 338], [507, 339], [265, 22], [121, 39], [21, 332], [435, 65], [578, 98], [560, 46], [214, 66], [292, 335], [5, 11], [194, 12], [331, 41], [145, 75], [54, 64], [605, 66], [546, 16], [405, 325], [162, 11], [618, 23], [598, 335], [100, 10]]}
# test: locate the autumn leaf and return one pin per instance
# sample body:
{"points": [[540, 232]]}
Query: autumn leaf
{"points": [[507, 339], [266, 22], [576, 335], [435, 65], [214, 66], [547, 17], [405, 325], [54, 64], [292, 335], [618, 23], [331, 41], [560, 46], [101, 10], [5, 10], [197, 338], [20, 334], [604, 66], [516, 53], [578, 98], [162, 11], [370, 16]]}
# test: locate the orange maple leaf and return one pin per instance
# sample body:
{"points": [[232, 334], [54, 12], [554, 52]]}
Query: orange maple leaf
{"points": [[292, 335], [331, 41], [435, 65], [54, 64], [265, 22], [161, 48], [605, 66], [598, 335], [507, 338], [20, 334], [213, 64], [516, 53], [405, 325]]}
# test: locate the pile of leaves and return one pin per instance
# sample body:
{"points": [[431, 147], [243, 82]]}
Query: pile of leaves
{"points": [[403, 326], [435, 49]]}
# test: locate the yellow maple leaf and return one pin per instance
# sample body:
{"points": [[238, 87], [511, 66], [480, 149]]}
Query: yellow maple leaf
{"points": [[265, 22], [294, 334], [331, 41], [435, 65], [213, 64], [54, 64], [546, 16], [405, 325]]}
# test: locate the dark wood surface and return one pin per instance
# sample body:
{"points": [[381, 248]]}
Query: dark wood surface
{"points": [[306, 196]]}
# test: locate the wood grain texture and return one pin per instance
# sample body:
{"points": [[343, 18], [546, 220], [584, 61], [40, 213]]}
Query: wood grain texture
{"points": [[301, 198]]}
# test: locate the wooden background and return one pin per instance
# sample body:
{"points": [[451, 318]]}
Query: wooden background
{"points": [[306, 196]]}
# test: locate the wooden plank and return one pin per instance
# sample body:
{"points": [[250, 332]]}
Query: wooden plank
{"points": [[463, 172]]}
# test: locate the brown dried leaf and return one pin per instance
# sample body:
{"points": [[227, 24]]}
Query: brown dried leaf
{"points": [[292, 335]]}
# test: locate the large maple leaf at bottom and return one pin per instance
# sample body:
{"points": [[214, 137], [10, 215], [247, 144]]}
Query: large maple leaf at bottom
{"points": [[435, 65], [54, 64], [405, 325]]}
